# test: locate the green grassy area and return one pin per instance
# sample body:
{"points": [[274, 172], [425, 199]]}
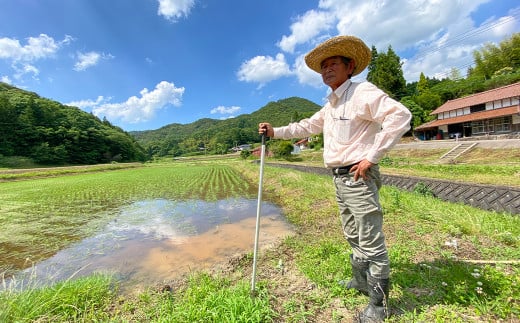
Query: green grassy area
{"points": [[481, 166], [432, 279]]}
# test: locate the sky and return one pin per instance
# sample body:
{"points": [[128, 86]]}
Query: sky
{"points": [[144, 64]]}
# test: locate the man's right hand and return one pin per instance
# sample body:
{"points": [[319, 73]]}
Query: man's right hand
{"points": [[266, 128]]}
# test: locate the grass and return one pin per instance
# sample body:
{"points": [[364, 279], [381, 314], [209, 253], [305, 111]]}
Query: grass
{"points": [[12, 174], [450, 262], [82, 300], [481, 166], [203, 298], [428, 276]]}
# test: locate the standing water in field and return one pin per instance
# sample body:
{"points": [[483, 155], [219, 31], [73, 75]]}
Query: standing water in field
{"points": [[157, 240]]}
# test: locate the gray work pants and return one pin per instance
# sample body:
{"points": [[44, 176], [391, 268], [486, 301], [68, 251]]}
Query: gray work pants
{"points": [[362, 220]]}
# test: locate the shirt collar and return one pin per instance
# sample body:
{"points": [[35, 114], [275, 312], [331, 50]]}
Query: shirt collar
{"points": [[338, 93]]}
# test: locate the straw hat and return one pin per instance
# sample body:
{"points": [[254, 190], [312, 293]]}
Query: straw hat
{"points": [[348, 46]]}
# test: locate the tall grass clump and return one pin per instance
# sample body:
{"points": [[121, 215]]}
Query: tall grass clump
{"points": [[84, 299], [205, 298]]}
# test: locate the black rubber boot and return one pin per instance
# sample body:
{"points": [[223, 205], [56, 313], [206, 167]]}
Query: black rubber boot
{"points": [[359, 276], [377, 309]]}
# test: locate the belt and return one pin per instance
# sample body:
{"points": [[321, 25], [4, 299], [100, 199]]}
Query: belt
{"points": [[343, 169]]}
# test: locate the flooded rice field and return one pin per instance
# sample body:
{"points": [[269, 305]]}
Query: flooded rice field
{"points": [[153, 241]]}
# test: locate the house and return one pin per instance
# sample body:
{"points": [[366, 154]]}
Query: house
{"points": [[241, 147], [494, 112]]}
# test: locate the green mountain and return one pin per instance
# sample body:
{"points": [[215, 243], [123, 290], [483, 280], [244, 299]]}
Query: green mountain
{"points": [[218, 136], [51, 133]]}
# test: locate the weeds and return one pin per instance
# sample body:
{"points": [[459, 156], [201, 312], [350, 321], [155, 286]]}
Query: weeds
{"points": [[432, 280], [423, 189], [83, 299], [205, 298]]}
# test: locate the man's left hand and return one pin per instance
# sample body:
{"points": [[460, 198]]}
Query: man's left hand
{"points": [[361, 169]]}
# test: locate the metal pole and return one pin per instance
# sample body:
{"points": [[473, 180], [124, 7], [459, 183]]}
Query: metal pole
{"points": [[258, 211]]}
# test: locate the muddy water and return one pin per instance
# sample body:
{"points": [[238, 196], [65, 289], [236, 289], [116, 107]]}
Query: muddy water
{"points": [[154, 241]]}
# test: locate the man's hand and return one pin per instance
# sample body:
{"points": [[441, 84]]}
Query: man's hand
{"points": [[361, 169], [265, 128]]}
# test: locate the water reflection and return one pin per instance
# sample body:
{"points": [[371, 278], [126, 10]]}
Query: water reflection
{"points": [[156, 240]]}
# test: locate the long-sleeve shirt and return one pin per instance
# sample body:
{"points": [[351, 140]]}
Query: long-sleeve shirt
{"points": [[359, 121]]}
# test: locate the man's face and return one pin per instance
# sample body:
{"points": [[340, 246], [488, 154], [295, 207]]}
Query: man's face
{"points": [[334, 72]]}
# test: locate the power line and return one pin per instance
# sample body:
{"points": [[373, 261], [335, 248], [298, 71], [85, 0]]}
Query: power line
{"points": [[459, 38]]}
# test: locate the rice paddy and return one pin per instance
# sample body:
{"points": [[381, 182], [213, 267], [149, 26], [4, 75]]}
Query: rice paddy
{"points": [[116, 220]]}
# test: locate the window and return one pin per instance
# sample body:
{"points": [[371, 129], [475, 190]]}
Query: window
{"points": [[497, 125], [502, 124], [477, 108], [477, 127]]}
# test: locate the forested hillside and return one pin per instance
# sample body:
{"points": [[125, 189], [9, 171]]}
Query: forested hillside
{"points": [[218, 136], [50, 133]]}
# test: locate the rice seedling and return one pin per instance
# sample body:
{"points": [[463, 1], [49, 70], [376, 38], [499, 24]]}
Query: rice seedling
{"points": [[41, 216]]}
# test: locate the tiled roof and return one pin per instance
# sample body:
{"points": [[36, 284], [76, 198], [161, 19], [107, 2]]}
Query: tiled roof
{"points": [[508, 91], [471, 117]]}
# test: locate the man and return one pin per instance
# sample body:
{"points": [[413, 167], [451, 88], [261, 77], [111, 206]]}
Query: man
{"points": [[360, 123]]}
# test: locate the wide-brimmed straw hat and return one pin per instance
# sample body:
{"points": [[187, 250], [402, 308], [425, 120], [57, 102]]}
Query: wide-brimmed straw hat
{"points": [[347, 46]]}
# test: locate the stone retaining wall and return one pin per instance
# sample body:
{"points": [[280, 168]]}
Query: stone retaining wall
{"points": [[487, 197]]}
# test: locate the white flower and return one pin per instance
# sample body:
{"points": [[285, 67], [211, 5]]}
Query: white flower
{"points": [[476, 275]]}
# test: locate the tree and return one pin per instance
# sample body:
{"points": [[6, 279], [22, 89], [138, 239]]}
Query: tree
{"points": [[422, 85], [281, 148], [244, 154], [387, 74], [8, 126], [492, 58], [419, 115], [372, 65], [51, 133], [455, 74], [428, 101]]}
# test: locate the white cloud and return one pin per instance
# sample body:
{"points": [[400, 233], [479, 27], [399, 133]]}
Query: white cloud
{"points": [[5, 79], [136, 109], [36, 48], [432, 37], [175, 9], [24, 57], [88, 104], [225, 110], [305, 75], [263, 69], [86, 60], [305, 28]]}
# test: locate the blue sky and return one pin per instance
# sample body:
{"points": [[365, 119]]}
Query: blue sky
{"points": [[144, 64]]}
